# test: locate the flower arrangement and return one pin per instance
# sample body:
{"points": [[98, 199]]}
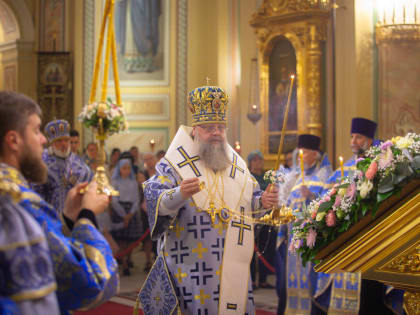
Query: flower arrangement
{"points": [[381, 174], [275, 176], [113, 117]]}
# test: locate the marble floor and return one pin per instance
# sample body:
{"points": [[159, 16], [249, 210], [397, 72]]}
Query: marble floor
{"points": [[265, 299]]}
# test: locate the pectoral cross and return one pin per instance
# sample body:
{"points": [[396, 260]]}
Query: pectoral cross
{"points": [[212, 211]]}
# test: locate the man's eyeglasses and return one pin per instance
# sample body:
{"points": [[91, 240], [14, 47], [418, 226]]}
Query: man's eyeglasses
{"points": [[213, 128]]}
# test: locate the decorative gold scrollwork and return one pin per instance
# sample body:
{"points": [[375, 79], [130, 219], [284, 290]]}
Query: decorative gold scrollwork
{"points": [[408, 262], [412, 303]]}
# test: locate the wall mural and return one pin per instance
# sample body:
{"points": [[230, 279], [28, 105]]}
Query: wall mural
{"points": [[142, 36], [399, 95], [52, 30]]}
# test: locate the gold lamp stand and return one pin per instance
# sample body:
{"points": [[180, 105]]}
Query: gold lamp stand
{"points": [[101, 177]]}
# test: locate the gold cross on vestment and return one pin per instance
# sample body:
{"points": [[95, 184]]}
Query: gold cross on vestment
{"points": [[338, 277], [242, 226], [180, 275], [178, 230], [164, 179], [235, 167], [189, 160], [212, 211], [219, 226], [157, 298], [202, 297], [353, 278], [292, 277], [200, 250], [219, 272]]}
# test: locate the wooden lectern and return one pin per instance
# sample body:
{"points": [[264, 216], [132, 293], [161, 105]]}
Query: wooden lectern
{"points": [[385, 248]]}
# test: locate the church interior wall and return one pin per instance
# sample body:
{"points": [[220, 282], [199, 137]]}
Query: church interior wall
{"points": [[220, 45], [354, 69]]}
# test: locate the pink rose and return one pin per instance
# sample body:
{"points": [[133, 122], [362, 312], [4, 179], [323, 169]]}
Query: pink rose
{"points": [[326, 199], [351, 191], [331, 219], [337, 201], [371, 171], [332, 192], [313, 214], [310, 241]]}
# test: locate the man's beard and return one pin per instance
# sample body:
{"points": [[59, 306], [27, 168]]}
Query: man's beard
{"points": [[361, 151], [33, 169], [60, 153], [214, 156]]}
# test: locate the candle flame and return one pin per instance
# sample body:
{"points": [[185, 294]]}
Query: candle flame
{"points": [[340, 158], [292, 76]]}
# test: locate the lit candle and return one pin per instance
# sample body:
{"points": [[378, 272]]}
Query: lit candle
{"points": [[341, 166], [302, 167], [254, 108], [152, 144], [237, 146], [283, 130]]}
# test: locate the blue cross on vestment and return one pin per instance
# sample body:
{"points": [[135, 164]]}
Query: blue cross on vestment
{"points": [[189, 160], [235, 167], [242, 226]]}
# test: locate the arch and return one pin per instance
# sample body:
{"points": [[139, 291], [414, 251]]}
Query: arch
{"points": [[9, 30], [23, 18]]}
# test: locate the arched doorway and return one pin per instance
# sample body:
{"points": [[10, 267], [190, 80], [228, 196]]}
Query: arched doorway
{"points": [[17, 55]]}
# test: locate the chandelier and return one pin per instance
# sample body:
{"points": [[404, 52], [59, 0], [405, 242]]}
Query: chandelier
{"points": [[397, 20]]}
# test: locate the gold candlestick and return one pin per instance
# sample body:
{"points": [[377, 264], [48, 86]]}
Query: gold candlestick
{"points": [[341, 166], [283, 130]]}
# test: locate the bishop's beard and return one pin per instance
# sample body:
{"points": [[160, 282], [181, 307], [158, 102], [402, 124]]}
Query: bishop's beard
{"points": [[59, 153], [214, 155], [32, 168]]}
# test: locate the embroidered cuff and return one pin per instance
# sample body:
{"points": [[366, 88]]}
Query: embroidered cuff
{"points": [[88, 214], [171, 201]]}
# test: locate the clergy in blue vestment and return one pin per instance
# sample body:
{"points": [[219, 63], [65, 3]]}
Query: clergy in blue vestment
{"points": [[27, 281], [84, 268], [296, 283], [65, 169], [347, 293], [199, 205], [362, 133]]}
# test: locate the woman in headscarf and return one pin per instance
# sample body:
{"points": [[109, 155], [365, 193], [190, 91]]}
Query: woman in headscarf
{"points": [[125, 215]]}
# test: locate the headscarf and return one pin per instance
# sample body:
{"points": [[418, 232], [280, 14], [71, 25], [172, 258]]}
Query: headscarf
{"points": [[116, 175]]}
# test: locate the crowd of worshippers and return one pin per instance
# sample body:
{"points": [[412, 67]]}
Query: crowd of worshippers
{"points": [[58, 246], [125, 220]]}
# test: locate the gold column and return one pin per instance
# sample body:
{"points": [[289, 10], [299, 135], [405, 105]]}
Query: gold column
{"points": [[313, 77]]}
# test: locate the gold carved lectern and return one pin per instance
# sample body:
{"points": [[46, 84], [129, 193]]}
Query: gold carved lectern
{"points": [[385, 248]]}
